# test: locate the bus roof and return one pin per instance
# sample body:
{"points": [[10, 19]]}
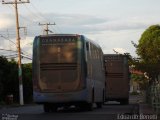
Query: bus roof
{"points": [[114, 55], [76, 35], [50, 35]]}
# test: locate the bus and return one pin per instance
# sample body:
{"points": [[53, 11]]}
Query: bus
{"points": [[68, 69], [117, 78]]}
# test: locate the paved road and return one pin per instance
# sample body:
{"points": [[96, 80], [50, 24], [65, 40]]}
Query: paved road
{"points": [[35, 112]]}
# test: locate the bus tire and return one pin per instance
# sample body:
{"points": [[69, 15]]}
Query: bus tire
{"points": [[104, 97], [54, 108], [124, 102], [99, 104], [86, 106], [46, 108], [89, 106]]}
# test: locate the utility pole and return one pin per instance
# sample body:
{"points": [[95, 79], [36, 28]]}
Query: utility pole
{"points": [[46, 27], [18, 47]]}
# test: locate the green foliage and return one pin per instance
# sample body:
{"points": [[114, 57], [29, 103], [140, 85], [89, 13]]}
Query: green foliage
{"points": [[149, 44], [149, 51], [141, 80], [134, 93], [9, 83], [6, 77], [27, 81]]}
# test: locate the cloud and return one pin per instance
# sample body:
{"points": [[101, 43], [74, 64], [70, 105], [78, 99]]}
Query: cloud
{"points": [[120, 50], [78, 23], [110, 32], [75, 19], [6, 21], [90, 24], [9, 49], [108, 40]]}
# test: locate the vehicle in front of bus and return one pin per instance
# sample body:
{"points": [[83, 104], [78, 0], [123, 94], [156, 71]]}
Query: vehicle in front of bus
{"points": [[117, 78], [67, 70]]}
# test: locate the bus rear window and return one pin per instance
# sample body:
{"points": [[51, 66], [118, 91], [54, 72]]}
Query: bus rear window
{"points": [[58, 50]]}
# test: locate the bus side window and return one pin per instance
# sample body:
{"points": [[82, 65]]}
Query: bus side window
{"points": [[87, 46]]}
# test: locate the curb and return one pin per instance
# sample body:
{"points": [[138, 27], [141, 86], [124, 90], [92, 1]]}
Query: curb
{"points": [[16, 105], [146, 109]]}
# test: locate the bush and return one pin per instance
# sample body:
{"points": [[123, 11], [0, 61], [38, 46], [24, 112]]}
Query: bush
{"points": [[9, 82]]}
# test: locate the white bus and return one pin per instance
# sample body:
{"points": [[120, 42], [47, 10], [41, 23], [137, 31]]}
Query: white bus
{"points": [[67, 70]]}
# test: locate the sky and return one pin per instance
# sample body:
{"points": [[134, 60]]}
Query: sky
{"points": [[113, 24]]}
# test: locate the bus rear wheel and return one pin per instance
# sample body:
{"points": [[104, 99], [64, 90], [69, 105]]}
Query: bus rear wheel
{"points": [[99, 104], [89, 106], [49, 108], [124, 102], [86, 106], [46, 108]]}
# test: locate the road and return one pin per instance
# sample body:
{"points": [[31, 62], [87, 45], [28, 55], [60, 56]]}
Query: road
{"points": [[35, 112]]}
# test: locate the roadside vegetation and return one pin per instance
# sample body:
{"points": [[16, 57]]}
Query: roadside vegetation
{"points": [[148, 50], [9, 84]]}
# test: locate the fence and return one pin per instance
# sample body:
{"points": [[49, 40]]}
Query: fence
{"points": [[153, 97]]}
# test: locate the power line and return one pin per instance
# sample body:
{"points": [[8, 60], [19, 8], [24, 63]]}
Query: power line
{"points": [[33, 14], [26, 57], [13, 43], [16, 56], [15, 51], [41, 15], [7, 39], [7, 50], [38, 12]]}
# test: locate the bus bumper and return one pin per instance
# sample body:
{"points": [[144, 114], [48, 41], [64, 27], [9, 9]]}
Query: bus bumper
{"points": [[79, 96]]}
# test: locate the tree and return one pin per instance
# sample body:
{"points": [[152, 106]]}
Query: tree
{"points": [[8, 78], [148, 49], [141, 80], [27, 82], [9, 83]]}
